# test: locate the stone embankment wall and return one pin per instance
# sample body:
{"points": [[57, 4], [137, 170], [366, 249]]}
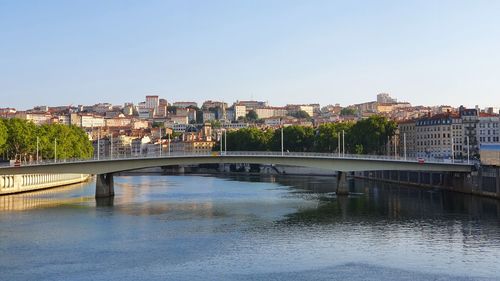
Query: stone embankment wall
{"points": [[484, 182], [23, 183]]}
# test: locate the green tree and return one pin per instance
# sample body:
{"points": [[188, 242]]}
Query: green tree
{"points": [[372, 134], [348, 111], [327, 136], [358, 149], [21, 139], [295, 138], [252, 115], [158, 125], [249, 139], [72, 142], [3, 136], [172, 109], [215, 124], [301, 114]]}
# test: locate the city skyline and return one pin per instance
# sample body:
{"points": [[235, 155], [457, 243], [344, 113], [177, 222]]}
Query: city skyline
{"points": [[327, 52]]}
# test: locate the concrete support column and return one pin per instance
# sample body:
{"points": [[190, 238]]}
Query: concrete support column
{"points": [[104, 186], [342, 184]]}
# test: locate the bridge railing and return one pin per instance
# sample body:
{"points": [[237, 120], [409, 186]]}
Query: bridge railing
{"points": [[249, 153]]}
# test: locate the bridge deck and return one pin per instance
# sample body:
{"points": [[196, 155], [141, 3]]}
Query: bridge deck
{"points": [[330, 161]]}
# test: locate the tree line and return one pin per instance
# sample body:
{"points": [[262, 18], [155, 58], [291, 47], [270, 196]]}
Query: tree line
{"points": [[367, 136], [18, 139]]}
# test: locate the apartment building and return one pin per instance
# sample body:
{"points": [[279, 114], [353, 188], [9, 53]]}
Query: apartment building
{"points": [[439, 136]]}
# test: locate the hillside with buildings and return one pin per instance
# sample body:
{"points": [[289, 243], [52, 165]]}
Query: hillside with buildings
{"points": [[156, 124]]}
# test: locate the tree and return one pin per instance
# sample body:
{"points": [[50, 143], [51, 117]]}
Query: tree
{"points": [[215, 124], [372, 134], [72, 142], [172, 109], [3, 136], [158, 125], [348, 111], [358, 149], [21, 139], [295, 138], [301, 114], [249, 139], [327, 136], [252, 115]]}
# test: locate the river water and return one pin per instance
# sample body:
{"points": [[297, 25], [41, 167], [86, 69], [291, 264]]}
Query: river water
{"points": [[200, 227]]}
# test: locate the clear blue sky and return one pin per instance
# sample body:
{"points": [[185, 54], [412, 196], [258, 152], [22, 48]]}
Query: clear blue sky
{"points": [[84, 52]]}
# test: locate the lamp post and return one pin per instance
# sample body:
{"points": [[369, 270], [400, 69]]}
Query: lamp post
{"points": [[111, 147], [343, 143], [395, 147], [452, 149], [161, 145], [338, 145], [468, 150], [55, 150], [225, 141], [404, 144], [37, 142], [98, 143], [282, 146], [221, 140], [168, 144]]}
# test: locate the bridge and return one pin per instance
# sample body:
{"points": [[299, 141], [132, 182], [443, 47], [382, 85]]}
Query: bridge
{"points": [[104, 168]]}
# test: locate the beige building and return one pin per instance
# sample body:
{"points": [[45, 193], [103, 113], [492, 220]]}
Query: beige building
{"points": [[439, 136], [89, 121], [239, 111], [407, 134], [36, 118], [294, 108], [118, 122]]}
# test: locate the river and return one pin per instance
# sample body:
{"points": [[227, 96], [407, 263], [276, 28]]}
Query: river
{"points": [[201, 227]]}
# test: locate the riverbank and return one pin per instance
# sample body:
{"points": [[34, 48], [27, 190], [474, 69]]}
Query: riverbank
{"points": [[11, 184], [483, 182]]}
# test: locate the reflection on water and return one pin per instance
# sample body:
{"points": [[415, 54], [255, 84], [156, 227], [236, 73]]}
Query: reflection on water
{"points": [[248, 227], [65, 195]]}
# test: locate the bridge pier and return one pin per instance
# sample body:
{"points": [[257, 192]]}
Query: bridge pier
{"points": [[104, 186], [342, 184]]}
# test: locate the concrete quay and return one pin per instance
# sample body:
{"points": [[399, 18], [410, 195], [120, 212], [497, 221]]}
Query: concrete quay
{"points": [[10, 184]]}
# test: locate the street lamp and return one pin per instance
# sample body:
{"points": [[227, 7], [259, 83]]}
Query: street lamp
{"points": [[98, 143], [225, 141], [404, 144], [221, 141], [111, 146], [55, 150], [468, 150], [343, 143], [169, 144], [452, 149], [37, 144], [282, 146], [395, 147], [338, 145]]}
